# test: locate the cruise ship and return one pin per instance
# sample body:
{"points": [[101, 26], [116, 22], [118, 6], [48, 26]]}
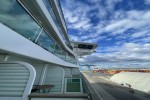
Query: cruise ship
{"points": [[37, 59]]}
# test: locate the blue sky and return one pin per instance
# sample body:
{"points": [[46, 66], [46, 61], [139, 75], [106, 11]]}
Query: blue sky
{"points": [[121, 28]]}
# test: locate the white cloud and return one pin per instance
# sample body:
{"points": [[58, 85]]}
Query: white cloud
{"points": [[146, 16], [93, 1], [118, 15], [74, 38], [77, 16], [147, 1], [87, 26], [129, 52], [134, 14], [117, 25], [139, 34], [84, 37], [133, 20], [111, 3], [80, 24], [102, 12], [73, 19], [146, 39], [113, 29]]}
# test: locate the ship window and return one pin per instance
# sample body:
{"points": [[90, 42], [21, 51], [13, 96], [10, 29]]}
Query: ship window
{"points": [[83, 46], [15, 17], [89, 46]]}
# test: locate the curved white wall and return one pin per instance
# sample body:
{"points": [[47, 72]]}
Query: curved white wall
{"points": [[138, 80]]}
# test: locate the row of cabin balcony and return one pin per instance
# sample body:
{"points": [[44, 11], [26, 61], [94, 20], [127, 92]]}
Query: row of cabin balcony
{"points": [[16, 17], [56, 21]]}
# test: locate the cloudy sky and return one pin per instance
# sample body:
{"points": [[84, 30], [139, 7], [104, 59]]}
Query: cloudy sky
{"points": [[121, 28]]}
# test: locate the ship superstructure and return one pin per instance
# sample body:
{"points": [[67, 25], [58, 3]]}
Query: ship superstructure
{"points": [[36, 57]]}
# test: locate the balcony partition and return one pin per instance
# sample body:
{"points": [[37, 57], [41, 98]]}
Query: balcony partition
{"points": [[73, 85]]}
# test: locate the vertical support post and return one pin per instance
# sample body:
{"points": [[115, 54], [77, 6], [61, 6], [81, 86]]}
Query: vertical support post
{"points": [[6, 57], [43, 75], [63, 80], [81, 87], [38, 35]]}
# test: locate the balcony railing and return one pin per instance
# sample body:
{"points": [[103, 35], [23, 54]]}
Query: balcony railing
{"points": [[16, 18], [52, 14]]}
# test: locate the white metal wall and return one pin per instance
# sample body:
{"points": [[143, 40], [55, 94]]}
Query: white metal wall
{"points": [[13, 79], [16, 80], [75, 71], [67, 71]]}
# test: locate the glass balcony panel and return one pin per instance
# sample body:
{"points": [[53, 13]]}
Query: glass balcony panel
{"points": [[50, 10], [57, 49], [63, 56], [46, 42], [60, 12], [15, 17]]}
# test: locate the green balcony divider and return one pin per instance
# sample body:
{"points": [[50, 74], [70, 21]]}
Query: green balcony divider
{"points": [[73, 85]]}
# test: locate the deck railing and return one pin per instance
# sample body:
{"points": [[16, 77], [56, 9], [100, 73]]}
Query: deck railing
{"points": [[24, 24]]}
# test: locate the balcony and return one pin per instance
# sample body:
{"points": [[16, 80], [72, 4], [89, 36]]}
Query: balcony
{"points": [[56, 21], [73, 90], [24, 24]]}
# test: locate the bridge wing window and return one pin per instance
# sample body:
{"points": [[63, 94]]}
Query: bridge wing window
{"points": [[89, 46], [83, 46]]}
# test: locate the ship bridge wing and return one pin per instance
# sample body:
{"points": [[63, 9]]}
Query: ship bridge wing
{"points": [[83, 48]]}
